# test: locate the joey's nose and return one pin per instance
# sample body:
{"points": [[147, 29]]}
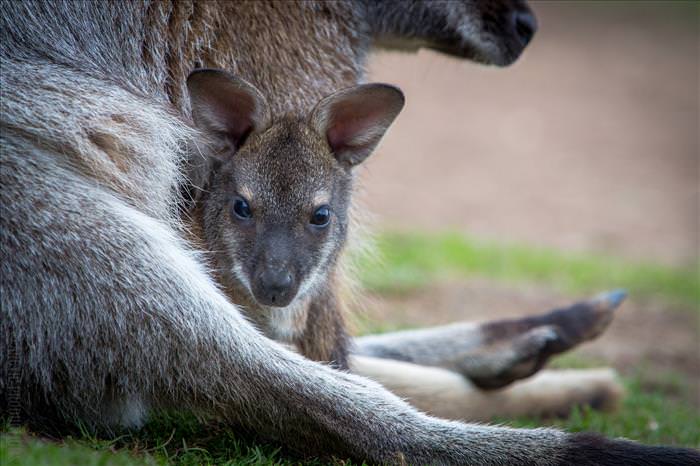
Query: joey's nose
{"points": [[524, 24], [275, 287]]}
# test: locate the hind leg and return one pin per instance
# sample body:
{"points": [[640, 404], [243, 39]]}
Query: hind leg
{"points": [[494, 354]]}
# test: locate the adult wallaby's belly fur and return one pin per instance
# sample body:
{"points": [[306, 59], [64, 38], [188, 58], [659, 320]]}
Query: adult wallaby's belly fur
{"points": [[93, 115], [95, 133], [106, 313]]}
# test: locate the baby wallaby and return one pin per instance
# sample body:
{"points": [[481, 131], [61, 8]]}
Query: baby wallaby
{"points": [[274, 206]]}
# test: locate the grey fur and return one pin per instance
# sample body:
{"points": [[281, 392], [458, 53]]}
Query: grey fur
{"points": [[111, 313]]}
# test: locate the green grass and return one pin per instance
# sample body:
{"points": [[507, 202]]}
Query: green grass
{"points": [[19, 449], [647, 416], [168, 438], [410, 260], [654, 410]]}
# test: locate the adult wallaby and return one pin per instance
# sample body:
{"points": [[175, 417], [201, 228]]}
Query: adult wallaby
{"points": [[107, 313]]}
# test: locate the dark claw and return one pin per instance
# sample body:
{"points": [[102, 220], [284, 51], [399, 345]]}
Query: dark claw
{"points": [[612, 298]]}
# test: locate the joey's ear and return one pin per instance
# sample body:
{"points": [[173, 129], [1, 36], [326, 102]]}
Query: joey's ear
{"points": [[225, 106], [354, 120]]}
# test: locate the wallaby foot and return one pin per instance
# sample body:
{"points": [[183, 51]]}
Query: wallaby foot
{"points": [[521, 347], [494, 354]]}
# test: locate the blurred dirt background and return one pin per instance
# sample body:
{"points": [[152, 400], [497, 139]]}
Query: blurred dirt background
{"points": [[589, 143]]}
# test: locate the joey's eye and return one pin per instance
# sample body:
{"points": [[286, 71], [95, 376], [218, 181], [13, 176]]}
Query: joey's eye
{"points": [[321, 217], [241, 209]]}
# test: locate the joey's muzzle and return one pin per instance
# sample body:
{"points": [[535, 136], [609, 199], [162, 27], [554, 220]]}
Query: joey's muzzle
{"points": [[274, 286]]}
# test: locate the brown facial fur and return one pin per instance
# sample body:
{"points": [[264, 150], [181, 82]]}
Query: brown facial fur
{"points": [[281, 172], [269, 182]]}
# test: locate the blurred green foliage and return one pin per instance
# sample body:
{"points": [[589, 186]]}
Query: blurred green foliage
{"points": [[406, 261]]}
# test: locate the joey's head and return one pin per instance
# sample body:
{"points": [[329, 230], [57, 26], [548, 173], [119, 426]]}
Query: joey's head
{"points": [[275, 211]]}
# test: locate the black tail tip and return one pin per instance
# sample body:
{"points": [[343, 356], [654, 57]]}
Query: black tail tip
{"points": [[587, 449]]}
